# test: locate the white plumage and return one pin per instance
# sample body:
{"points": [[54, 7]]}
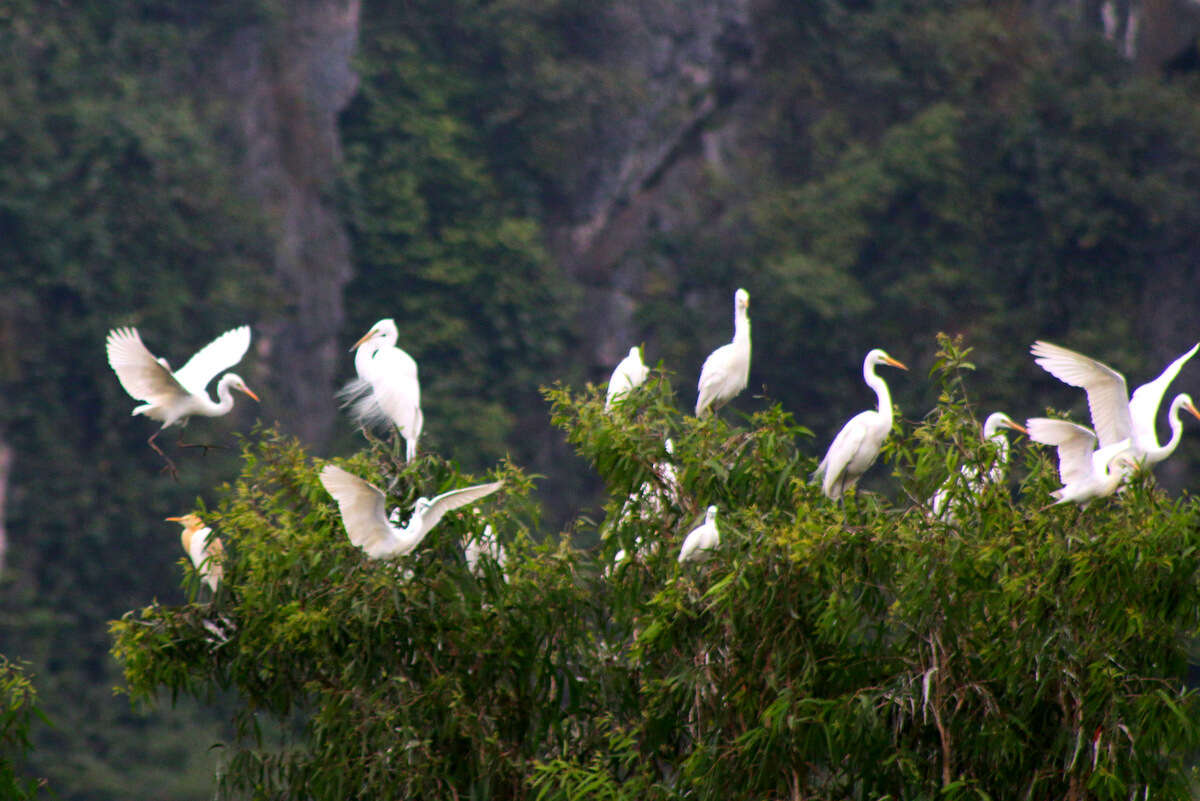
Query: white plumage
{"points": [[1116, 415], [173, 397], [727, 369], [387, 390], [205, 550], [702, 540], [942, 504], [1086, 471], [855, 447], [630, 372], [484, 546], [364, 513]]}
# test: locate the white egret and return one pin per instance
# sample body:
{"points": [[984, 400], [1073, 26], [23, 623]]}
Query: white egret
{"points": [[649, 498], [1115, 415], [702, 540], [173, 397], [727, 369], [855, 447], [363, 508], [205, 550], [484, 546], [943, 506], [387, 390], [1085, 470], [629, 373]]}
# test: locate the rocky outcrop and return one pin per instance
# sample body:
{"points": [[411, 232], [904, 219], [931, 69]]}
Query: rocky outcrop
{"points": [[283, 83]]}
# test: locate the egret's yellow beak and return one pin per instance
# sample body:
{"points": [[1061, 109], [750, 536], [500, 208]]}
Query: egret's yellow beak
{"points": [[894, 363], [1017, 427], [1192, 409], [364, 339], [174, 519], [248, 391]]}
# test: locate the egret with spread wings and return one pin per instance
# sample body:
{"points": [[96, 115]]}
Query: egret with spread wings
{"points": [[1116, 415], [1087, 472], [173, 397], [364, 512]]}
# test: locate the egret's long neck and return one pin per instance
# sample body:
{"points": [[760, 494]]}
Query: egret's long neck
{"points": [[881, 392], [741, 328], [412, 533], [363, 356], [1154, 455], [224, 399], [1001, 442]]}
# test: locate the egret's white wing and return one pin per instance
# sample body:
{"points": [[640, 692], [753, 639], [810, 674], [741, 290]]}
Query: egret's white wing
{"points": [[397, 390], [439, 505], [629, 373], [1074, 442], [842, 451], [1143, 406], [222, 353], [718, 377], [1108, 397], [142, 375], [363, 508]]}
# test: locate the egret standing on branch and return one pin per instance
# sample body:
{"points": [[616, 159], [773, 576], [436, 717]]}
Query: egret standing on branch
{"points": [[173, 397], [702, 540], [629, 373], [855, 447], [364, 514], [1115, 415], [387, 390], [727, 369], [1086, 471], [202, 548], [943, 506]]}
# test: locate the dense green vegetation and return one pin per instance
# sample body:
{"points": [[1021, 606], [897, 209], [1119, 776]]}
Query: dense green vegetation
{"points": [[899, 167], [825, 651]]}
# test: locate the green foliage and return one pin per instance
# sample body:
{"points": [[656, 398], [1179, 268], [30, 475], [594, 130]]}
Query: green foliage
{"points": [[18, 708], [864, 650]]}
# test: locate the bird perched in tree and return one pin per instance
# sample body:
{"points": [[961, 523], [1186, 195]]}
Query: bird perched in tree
{"points": [[629, 373], [205, 550], [173, 397], [650, 497], [1116, 415], [1087, 472], [484, 546], [727, 369], [363, 509], [941, 502], [855, 447], [387, 390], [702, 540]]}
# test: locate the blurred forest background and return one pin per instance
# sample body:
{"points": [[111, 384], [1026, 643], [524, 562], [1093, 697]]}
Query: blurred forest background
{"points": [[530, 187]]}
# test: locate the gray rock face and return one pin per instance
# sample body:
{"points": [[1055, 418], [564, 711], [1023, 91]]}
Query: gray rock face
{"points": [[284, 83]]}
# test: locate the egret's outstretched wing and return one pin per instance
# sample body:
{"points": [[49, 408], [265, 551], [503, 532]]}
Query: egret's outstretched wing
{"points": [[439, 505], [1108, 396], [1074, 442], [222, 353], [142, 375], [363, 508], [1143, 406]]}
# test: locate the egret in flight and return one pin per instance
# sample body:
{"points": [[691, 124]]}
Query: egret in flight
{"points": [[202, 548], [943, 506], [1087, 472], [727, 369], [363, 508], [387, 390], [629, 373], [702, 540], [173, 397], [855, 447], [1116, 415]]}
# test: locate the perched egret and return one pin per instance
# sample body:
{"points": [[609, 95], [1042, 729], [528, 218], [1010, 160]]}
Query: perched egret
{"points": [[364, 514], [727, 369], [649, 499], [1116, 415], [484, 546], [941, 502], [387, 390], [1086, 471], [702, 540], [629, 373], [202, 548], [855, 447], [173, 397]]}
